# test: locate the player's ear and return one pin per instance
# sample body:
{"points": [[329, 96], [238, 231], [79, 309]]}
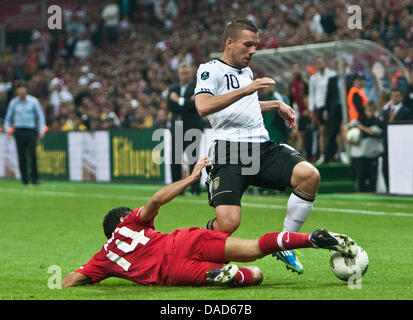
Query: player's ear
{"points": [[121, 219], [228, 42]]}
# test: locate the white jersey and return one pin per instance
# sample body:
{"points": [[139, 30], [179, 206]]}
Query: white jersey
{"points": [[241, 121]]}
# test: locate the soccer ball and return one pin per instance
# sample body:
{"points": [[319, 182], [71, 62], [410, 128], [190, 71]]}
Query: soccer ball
{"points": [[354, 135], [344, 268]]}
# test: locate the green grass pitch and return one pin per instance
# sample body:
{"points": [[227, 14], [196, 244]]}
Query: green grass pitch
{"points": [[60, 224]]}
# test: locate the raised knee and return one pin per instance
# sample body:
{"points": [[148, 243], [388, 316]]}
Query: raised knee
{"points": [[314, 175], [229, 225], [228, 218], [305, 173]]}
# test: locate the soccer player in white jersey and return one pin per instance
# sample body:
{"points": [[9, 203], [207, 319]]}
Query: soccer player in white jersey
{"points": [[226, 93]]}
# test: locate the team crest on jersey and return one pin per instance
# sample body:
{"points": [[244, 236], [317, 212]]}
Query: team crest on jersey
{"points": [[215, 183], [204, 75]]}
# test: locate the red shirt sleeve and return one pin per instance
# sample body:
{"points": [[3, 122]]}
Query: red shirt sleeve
{"points": [[95, 268], [135, 216]]}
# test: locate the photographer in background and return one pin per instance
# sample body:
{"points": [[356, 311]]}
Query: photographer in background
{"points": [[366, 152]]}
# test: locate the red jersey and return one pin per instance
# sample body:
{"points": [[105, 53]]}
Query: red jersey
{"points": [[138, 253]]}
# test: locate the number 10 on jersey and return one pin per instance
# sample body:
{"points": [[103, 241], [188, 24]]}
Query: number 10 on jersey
{"points": [[232, 81]]}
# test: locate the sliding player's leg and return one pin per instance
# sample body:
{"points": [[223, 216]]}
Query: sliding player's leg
{"points": [[200, 255], [244, 250]]}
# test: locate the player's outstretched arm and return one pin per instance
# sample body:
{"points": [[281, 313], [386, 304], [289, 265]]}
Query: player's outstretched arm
{"points": [[207, 104], [171, 191]]}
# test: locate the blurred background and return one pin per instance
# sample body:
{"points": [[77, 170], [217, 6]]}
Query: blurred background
{"points": [[109, 67]]}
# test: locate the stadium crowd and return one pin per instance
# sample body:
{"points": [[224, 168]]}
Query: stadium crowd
{"points": [[111, 65]]}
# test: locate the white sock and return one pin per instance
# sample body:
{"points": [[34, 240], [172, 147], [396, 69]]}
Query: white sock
{"points": [[298, 210]]}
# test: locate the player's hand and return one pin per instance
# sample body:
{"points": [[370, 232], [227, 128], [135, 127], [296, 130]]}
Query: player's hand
{"points": [[259, 83], [202, 163], [288, 114], [174, 97]]}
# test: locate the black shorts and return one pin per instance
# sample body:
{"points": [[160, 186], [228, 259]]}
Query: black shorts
{"points": [[270, 166]]}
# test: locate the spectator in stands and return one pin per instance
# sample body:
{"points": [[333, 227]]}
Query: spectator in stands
{"points": [[316, 25], [111, 17], [70, 45], [390, 30], [189, 30], [18, 62], [83, 47], [59, 93], [327, 20], [163, 119]]}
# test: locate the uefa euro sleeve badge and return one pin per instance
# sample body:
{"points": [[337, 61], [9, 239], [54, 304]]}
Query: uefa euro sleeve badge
{"points": [[204, 75]]}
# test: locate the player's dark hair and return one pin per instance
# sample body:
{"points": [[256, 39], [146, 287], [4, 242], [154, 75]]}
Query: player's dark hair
{"points": [[112, 219], [235, 26]]}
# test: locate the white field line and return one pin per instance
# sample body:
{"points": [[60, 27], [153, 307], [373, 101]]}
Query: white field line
{"points": [[195, 201]]}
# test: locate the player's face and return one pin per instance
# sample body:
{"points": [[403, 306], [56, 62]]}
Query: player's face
{"points": [[243, 48]]}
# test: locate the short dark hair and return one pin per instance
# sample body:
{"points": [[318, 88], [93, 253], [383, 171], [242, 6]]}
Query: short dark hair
{"points": [[112, 219], [235, 26], [371, 104], [396, 89], [359, 76], [20, 83]]}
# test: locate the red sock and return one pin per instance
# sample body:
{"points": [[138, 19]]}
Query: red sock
{"points": [[281, 241], [243, 278]]}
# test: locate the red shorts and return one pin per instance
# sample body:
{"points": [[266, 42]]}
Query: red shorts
{"points": [[193, 252]]}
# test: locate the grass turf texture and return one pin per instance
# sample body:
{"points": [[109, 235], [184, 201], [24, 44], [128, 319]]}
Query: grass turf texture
{"points": [[60, 223]]}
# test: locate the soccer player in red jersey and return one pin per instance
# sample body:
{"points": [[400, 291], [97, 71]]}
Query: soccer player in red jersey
{"points": [[191, 256]]}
